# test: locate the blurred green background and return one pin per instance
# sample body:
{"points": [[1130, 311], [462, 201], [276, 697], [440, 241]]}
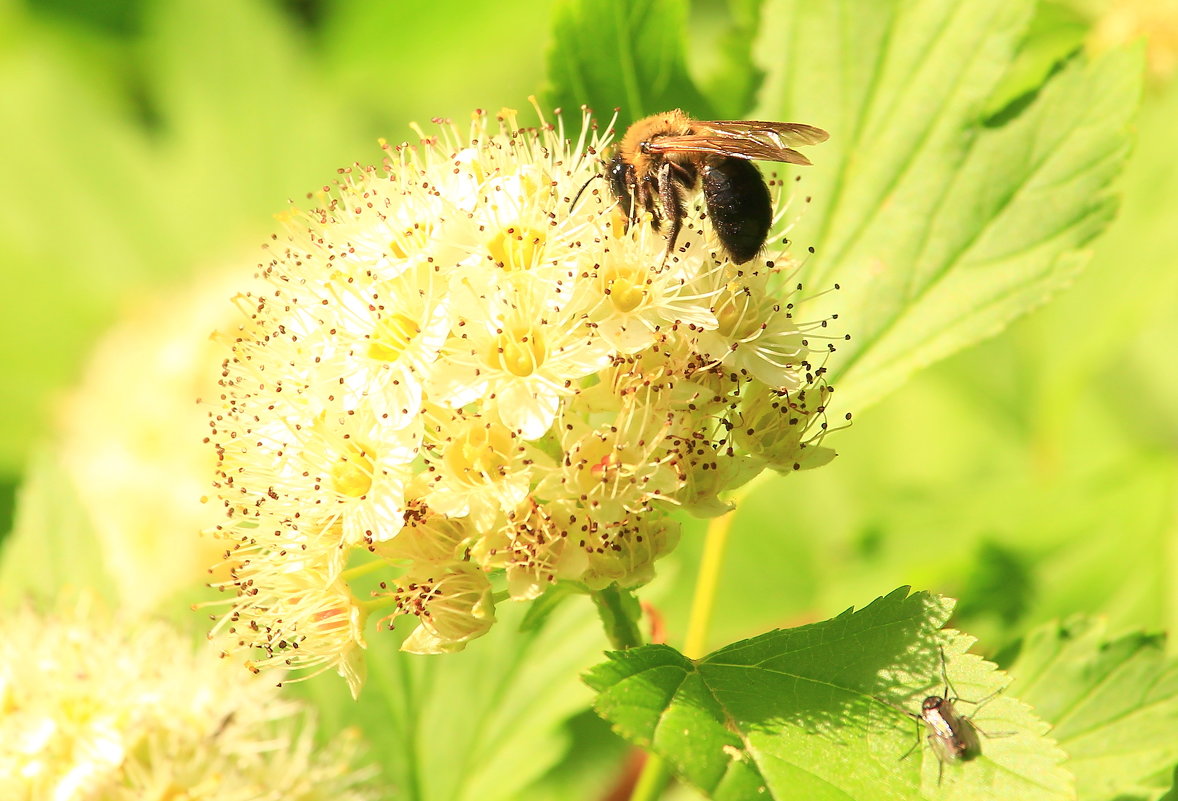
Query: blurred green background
{"points": [[145, 143]]}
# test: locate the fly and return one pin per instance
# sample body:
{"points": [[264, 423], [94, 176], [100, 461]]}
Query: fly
{"points": [[952, 735]]}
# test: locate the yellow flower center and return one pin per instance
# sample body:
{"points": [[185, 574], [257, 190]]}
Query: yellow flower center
{"points": [[736, 317], [351, 475], [482, 453], [625, 285], [392, 337], [410, 240], [519, 350], [516, 247], [600, 463], [81, 709]]}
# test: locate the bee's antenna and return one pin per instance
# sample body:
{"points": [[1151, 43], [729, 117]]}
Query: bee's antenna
{"points": [[577, 196]]}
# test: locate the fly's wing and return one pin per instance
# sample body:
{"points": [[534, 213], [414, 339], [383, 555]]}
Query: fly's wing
{"points": [[953, 736], [968, 745], [744, 139], [944, 749]]}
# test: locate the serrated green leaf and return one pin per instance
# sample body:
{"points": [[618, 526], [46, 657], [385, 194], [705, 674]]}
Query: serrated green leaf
{"points": [[939, 229], [818, 712], [614, 53], [53, 548], [1113, 702], [478, 725]]}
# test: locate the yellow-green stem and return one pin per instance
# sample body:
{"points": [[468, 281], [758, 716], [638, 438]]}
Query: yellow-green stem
{"points": [[652, 780], [706, 582], [360, 570], [376, 604]]}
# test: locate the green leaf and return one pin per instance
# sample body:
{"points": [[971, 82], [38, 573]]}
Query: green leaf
{"points": [[939, 229], [243, 106], [725, 37], [823, 712], [67, 230], [478, 725], [1056, 33], [53, 548], [628, 53], [1114, 703], [450, 57]]}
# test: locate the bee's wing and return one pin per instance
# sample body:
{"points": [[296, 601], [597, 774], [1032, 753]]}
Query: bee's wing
{"points": [[726, 146], [744, 139], [777, 134]]}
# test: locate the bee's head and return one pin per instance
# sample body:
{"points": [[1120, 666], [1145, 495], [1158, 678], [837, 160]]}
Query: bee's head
{"points": [[619, 174]]}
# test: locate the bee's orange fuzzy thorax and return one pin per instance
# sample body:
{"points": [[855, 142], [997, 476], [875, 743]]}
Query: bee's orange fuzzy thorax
{"points": [[666, 123]]}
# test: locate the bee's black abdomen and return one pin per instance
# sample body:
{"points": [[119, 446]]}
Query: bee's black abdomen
{"points": [[739, 204]]}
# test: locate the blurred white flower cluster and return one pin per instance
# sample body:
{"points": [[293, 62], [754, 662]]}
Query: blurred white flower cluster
{"points": [[465, 381], [130, 440], [89, 710]]}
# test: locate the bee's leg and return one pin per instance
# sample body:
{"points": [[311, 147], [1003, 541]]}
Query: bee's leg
{"points": [[644, 196], [671, 197], [620, 177]]}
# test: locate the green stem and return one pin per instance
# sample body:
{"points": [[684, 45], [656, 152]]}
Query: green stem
{"points": [[619, 611]]}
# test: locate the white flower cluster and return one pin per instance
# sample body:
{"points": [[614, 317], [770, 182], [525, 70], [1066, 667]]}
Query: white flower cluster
{"points": [[461, 374], [91, 710]]}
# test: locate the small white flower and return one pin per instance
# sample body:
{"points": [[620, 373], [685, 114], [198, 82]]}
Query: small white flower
{"points": [[386, 336], [632, 304], [755, 334], [453, 604], [477, 468], [522, 352]]}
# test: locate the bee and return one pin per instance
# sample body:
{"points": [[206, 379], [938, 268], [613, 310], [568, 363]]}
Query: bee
{"points": [[668, 155]]}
